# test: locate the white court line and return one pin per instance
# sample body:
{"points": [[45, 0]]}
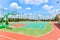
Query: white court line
{"points": [[7, 37], [58, 39]]}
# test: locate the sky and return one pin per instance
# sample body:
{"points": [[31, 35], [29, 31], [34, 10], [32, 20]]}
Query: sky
{"points": [[42, 8]]}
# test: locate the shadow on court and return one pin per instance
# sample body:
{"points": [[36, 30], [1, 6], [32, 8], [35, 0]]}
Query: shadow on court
{"points": [[57, 25]]}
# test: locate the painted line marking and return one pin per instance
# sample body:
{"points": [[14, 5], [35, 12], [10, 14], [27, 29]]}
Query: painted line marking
{"points": [[58, 39], [7, 37]]}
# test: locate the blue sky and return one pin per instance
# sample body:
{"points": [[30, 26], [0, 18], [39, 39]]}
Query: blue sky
{"points": [[35, 7]]}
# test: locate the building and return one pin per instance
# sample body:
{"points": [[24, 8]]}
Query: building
{"points": [[58, 18]]}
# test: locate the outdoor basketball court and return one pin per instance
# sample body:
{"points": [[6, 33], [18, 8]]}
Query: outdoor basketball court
{"points": [[31, 31]]}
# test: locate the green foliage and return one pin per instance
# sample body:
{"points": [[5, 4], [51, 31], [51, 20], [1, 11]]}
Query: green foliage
{"points": [[56, 18]]}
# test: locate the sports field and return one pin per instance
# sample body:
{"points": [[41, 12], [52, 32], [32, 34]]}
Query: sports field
{"points": [[31, 28], [28, 31]]}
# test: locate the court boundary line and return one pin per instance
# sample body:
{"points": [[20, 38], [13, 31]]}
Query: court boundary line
{"points": [[7, 37]]}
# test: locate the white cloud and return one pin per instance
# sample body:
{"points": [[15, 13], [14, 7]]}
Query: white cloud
{"points": [[35, 2], [39, 15], [14, 5], [55, 11], [47, 7], [28, 8], [31, 14], [20, 7], [1, 14], [5, 8]]}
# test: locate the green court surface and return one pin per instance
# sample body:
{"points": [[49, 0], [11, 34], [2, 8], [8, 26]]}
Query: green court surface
{"points": [[32, 28]]}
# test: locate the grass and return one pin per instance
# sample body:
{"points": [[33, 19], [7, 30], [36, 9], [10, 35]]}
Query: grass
{"points": [[32, 31]]}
